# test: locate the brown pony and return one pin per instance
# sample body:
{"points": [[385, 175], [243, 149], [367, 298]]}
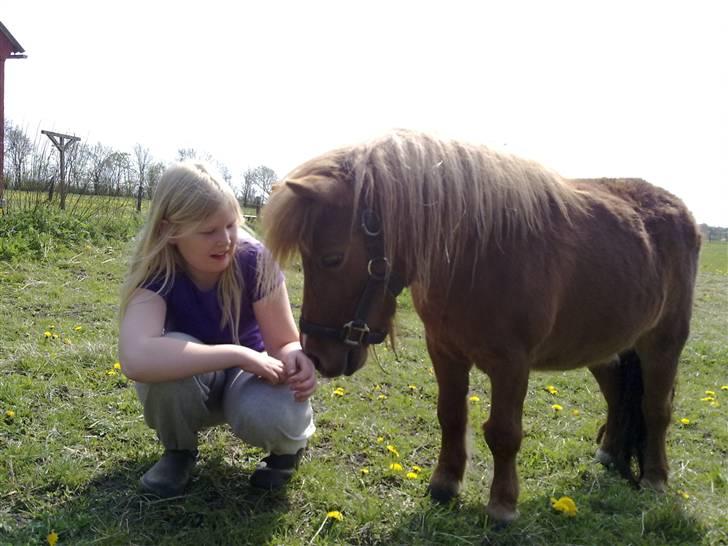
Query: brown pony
{"points": [[511, 268]]}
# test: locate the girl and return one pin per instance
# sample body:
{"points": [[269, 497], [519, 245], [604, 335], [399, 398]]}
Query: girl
{"points": [[203, 341]]}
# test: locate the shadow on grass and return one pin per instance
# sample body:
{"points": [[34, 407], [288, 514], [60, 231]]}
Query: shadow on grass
{"points": [[219, 507], [615, 513]]}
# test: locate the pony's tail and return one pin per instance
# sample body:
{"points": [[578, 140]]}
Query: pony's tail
{"points": [[630, 430]]}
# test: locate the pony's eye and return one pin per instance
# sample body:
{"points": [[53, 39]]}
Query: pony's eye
{"points": [[332, 260]]}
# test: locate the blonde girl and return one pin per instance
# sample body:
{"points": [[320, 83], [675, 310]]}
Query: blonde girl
{"points": [[205, 344]]}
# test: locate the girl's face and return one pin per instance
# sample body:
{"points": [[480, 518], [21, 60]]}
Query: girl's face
{"points": [[210, 248]]}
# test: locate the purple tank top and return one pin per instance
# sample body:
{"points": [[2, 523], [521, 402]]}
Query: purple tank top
{"points": [[198, 313]]}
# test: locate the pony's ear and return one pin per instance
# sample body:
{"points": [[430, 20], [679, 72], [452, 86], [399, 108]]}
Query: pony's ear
{"points": [[321, 188]]}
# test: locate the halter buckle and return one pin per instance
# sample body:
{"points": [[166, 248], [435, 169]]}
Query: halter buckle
{"points": [[355, 332]]}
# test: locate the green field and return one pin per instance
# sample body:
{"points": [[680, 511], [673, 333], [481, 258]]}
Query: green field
{"points": [[73, 442]]}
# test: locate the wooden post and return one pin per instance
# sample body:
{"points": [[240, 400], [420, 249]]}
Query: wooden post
{"points": [[62, 142]]}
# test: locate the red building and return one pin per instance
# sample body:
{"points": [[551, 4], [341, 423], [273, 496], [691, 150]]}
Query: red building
{"points": [[9, 49]]}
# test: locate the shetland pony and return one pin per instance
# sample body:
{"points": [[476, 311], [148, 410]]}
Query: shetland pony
{"points": [[511, 268]]}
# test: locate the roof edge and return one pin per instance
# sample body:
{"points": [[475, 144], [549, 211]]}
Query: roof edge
{"points": [[17, 48]]}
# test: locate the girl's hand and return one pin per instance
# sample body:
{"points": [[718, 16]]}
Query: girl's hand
{"points": [[267, 368], [300, 374]]}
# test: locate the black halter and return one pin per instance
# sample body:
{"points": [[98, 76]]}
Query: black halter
{"points": [[356, 332]]}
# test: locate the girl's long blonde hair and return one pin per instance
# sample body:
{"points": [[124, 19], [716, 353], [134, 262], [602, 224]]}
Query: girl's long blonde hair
{"points": [[186, 195]]}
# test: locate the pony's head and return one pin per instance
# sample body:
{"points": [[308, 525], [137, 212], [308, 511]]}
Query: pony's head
{"points": [[349, 287]]}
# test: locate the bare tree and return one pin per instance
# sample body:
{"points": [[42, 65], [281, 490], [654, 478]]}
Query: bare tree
{"points": [[119, 169], [99, 166], [18, 151], [258, 182], [142, 162], [186, 153], [154, 173]]}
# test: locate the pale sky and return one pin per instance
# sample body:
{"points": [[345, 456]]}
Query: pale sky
{"points": [[590, 89]]}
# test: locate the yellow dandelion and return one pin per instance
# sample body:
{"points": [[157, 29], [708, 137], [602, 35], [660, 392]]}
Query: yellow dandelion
{"points": [[335, 514], [55, 336], [551, 389], [683, 494], [474, 399], [52, 327], [556, 407], [339, 391], [416, 468], [47, 334], [412, 387], [393, 450], [412, 475], [707, 399], [364, 470], [9, 414], [382, 397], [380, 439], [117, 365], [396, 467], [685, 421], [724, 387], [111, 372], [575, 412], [565, 505], [52, 538], [709, 393], [77, 328]]}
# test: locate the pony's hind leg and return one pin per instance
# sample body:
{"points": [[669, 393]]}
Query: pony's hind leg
{"points": [[452, 371], [620, 438], [659, 369], [503, 433]]}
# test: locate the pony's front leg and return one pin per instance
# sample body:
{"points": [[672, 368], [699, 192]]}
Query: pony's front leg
{"points": [[503, 433], [452, 371]]}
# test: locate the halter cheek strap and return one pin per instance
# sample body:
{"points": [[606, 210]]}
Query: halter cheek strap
{"points": [[356, 332]]}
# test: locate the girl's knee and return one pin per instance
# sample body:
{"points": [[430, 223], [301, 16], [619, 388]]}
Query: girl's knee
{"points": [[271, 418]]}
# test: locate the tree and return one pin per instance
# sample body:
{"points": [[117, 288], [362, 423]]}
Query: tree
{"points": [[119, 167], [142, 162], [186, 153], [98, 165], [154, 173], [18, 150], [258, 182]]}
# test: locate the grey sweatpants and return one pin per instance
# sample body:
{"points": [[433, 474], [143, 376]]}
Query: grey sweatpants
{"points": [[259, 413]]}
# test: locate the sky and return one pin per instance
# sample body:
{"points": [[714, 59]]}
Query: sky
{"points": [[589, 89]]}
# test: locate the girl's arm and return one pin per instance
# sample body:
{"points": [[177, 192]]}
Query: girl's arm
{"points": [[149, 357], [280, 336]]}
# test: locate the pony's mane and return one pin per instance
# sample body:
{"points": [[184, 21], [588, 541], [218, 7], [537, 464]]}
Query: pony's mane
{"points": [[441, 198]]}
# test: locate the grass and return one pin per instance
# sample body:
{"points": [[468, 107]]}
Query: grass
{"points": [[73, 450]]}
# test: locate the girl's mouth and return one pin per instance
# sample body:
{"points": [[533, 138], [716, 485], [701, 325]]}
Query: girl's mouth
{"points": [[220, 255]]}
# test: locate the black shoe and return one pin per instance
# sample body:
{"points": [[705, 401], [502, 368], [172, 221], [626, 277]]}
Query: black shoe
{"points": [[275, 471], [171, 474]]}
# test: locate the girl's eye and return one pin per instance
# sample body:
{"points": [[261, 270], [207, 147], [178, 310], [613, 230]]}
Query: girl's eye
{"points": [[332, 260]]}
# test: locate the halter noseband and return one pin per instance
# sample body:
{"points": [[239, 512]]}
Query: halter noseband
{"points": [[356, 332]]}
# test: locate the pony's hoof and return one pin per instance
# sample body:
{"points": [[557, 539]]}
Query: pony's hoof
{"points": [[605, 458], [443, 492], [500, 515]]}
